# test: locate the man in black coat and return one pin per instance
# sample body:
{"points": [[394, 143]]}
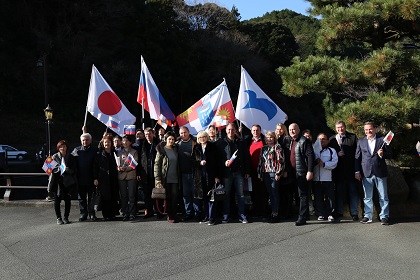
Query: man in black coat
{"points": [[302, 165], [85, 157], [345, 144]]}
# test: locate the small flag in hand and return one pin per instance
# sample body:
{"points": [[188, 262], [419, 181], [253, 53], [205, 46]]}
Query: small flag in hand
{"points": [[131, 161], [62, 166], [49, 165], [388, 137]]}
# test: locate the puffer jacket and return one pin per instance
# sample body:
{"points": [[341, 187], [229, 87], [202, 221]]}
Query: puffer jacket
{"points": [[304, 153]]}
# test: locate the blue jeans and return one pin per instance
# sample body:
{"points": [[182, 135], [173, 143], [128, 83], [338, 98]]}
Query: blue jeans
{"points": [[273, 190], [342, 188], [191, 205], [382, 187], [236, 180]]}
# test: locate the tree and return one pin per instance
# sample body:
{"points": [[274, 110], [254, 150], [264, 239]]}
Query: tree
{"points": [[382, 82]]}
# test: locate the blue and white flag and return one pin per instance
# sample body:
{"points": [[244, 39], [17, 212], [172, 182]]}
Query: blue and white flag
{"points": [[62, 166], [255, 107]]}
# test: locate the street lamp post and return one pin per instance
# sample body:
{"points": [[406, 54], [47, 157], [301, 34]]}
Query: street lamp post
{"points": [[48, 116], [42, 62]]}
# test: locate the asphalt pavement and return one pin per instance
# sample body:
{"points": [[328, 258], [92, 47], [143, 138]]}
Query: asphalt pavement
{"points": [[33, 246]]}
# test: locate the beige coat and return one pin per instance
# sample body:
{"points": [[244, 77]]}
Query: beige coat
{"points": [[129, 173]]}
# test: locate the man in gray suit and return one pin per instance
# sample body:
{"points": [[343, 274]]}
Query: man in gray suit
{"points": [[371, 167]]}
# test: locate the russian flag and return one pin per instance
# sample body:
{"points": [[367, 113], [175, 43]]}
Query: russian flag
{"points": [[150, 97], [113, 123], [130, 129], [131, 161]]}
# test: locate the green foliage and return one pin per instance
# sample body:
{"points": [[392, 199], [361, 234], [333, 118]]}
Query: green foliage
{"points": [[302, 27], [382, 83]]}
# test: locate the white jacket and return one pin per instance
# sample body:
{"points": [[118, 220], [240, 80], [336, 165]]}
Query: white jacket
{"points": [[330, 159]]}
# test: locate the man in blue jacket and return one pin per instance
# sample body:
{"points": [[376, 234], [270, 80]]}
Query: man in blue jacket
{"points": [[371, 167]]}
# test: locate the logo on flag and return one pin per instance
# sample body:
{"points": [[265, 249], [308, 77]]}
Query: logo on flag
{"points": [[388, 137], [49, 165], [130, 129], [150, 97], [105, 105], [112, 123], [131, 161], [254, 106], [214, 108]]}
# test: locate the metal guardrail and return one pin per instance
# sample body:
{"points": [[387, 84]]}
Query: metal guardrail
{"points": [[9, 185]]}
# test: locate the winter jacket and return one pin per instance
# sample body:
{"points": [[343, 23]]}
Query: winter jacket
{"points": [[324, 173], [161, 164]]}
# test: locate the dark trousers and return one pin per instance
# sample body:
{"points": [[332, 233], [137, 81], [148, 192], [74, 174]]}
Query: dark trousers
{"points": [[108, 207], [147, 190], [259, 197], [171, 199], [286, 199], [67, 203], [85, 200], [302, 186], [322, 190], [128, 189]]}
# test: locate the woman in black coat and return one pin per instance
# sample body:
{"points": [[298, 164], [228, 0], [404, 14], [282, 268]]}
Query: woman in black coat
{"points": [[62, 181], [206, 173], [106, 178]]}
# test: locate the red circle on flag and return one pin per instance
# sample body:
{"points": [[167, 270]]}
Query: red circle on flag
{"points": [[109, 103]]}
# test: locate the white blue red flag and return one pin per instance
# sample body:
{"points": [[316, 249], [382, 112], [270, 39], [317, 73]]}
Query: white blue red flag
{"points": [[105, 105], [130, 129], [150, 97], [113, 123], [131, 161], [255, 107], [214, 108]]}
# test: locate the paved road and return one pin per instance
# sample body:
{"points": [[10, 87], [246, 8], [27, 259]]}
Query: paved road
{"points": [[32, 246]]}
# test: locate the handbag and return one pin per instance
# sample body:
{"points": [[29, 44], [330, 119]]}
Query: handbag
{"points": [[218, 193], [96, 201], [159, 192]]}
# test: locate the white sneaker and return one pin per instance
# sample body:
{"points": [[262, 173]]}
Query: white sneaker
{"points": [[321, 218], [331, 219]]}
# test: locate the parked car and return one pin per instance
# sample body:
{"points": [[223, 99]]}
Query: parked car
{"points": [[13, 153]]}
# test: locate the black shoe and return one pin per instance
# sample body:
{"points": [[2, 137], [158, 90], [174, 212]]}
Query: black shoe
{"points": [[211, 223], [82, 218], [355, 218], [300, 222], [273, 219], [66, 220], [60, 221], [148, 216], [125, 218], [132, 218], [366, 221], [384, 222], [159, 216], [93, 218]]}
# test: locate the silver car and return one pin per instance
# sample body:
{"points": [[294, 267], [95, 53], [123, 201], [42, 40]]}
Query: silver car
{"points": [[12, 153]]}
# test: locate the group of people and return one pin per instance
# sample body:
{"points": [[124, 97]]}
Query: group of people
{"points": [[280, 169]]}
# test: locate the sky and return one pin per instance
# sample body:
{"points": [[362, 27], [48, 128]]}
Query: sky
{"points": [[256, 8]]}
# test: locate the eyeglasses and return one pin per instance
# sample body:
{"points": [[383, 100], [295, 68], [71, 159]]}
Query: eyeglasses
{"points": [[202, 137]]}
